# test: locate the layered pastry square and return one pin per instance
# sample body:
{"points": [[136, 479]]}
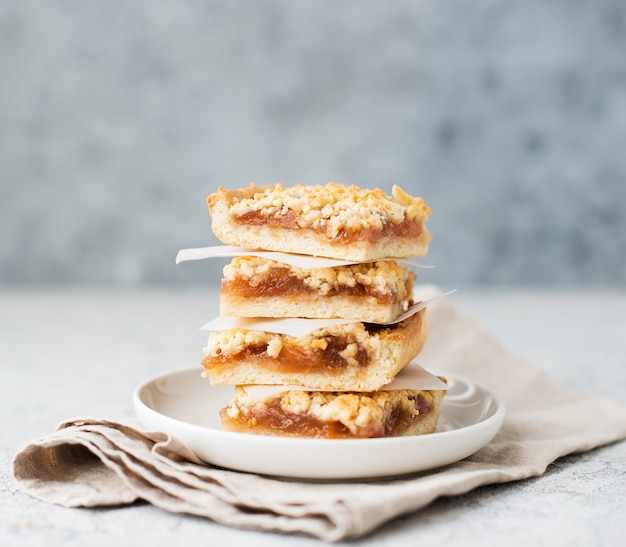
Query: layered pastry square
{"points": [[329, 220], [374, 292], [346, 357], [334, 415]]}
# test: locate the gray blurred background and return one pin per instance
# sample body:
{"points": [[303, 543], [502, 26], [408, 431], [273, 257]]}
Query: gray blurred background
{"points": [[118, 118]]}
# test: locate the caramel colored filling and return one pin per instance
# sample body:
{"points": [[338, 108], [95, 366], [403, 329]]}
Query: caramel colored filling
{"points": [[283, 283], [289, 221], [274, 421], [292, 358]]}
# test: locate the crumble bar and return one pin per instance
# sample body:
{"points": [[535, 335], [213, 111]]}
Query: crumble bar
{"points": [[333, 415], [375, 292], [353, 356], [330, 220]]}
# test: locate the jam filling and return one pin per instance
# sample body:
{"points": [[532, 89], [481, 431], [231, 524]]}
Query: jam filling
{"points": [[289, 221], [292, 358], [274, 421], [282, 282]]}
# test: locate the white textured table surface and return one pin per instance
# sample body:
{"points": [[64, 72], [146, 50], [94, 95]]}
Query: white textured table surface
{"points": [[81, 353]]}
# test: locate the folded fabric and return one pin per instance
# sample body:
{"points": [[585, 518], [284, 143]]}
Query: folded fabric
{"points": [[96, 462]]}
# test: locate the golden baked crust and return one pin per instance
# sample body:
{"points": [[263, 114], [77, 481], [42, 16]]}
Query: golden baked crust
{"points": [[374, 292], [324, 220], [325, 414], [354, 357]]}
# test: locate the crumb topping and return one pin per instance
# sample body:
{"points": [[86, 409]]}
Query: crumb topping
{"points": [[356, 411], [385, 277], [232, 342], [333, 208]]}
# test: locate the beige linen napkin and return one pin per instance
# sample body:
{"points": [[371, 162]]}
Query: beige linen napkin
{"points": [[88, 462]]}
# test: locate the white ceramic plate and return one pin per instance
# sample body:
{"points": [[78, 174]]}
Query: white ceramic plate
{"points": [[187, 406]]}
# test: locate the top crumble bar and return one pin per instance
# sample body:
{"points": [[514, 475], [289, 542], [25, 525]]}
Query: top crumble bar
{"points": [[329, 220]]}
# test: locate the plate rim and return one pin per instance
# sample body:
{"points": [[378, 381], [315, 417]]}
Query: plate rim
{"points": [[493, 421]]}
